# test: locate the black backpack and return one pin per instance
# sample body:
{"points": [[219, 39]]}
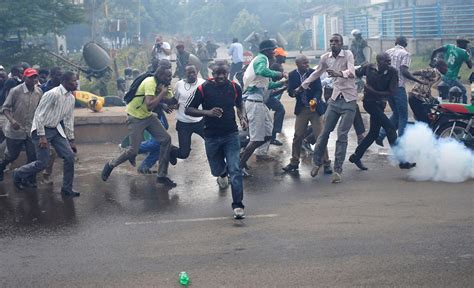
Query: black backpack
{"points": [[134, 87]]}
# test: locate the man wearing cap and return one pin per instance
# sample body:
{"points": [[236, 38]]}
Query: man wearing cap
{"points": [[455, 56], [257, 80], [357, 47], [236, 51], [182, 60], [19, 108], [273, 102]]}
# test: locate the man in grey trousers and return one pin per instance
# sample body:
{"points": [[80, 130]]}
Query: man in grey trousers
{"points": [[150, 93], [339, 64]]}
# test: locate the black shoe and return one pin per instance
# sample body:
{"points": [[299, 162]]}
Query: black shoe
{"points": [[379, 142], [173, 158], [276, 142], [29, 184], [166, 181], [327, 170], [133, 161], [290, 168], [106, 171], [357, 162], [406, 165], [70, 193], [2, 168], [18, 182]]}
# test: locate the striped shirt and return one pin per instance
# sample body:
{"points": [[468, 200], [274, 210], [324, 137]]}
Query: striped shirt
{"points": [[55, 106], [22, 104], [400, 57]]}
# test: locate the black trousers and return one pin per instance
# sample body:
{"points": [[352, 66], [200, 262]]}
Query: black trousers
{"points": [[185, 131], [378, 119], [419, 110]]}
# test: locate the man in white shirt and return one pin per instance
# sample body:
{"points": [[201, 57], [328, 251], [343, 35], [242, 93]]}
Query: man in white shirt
{"points": [[236, 51], [186, 125], [55, 110], [161, 49]]}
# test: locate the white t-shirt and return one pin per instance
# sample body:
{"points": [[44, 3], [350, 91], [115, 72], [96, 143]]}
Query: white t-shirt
{"points": [[161, 55], [182, 92]]}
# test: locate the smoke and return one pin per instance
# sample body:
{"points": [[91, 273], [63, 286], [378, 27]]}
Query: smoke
{"points": [[437, 159]]}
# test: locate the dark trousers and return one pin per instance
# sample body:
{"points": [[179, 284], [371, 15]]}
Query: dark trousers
{"points": [[223, 156], [419, 110], [275, 105], [14, 148], [185, 131], [234, 69], [378, 119], [63, 149]]}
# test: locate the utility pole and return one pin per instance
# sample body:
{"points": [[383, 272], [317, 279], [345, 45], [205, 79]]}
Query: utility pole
{"points": [[139, 21]]}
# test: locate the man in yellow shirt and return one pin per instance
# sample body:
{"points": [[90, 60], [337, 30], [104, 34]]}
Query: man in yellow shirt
{"points": [[140, 117]]}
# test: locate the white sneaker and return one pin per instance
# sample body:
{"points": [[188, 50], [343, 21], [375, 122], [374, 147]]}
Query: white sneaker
{"points": [[223, 182], [336, 177], [239, 213], [246, 173]]}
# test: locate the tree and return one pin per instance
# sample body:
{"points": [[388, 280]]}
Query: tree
{"points": [[244, 23], [37, 17]]}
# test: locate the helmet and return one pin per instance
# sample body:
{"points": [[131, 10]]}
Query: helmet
{"points": [[356, 32], [95, 105], [455, 90], [267, 45], [455, 94]]}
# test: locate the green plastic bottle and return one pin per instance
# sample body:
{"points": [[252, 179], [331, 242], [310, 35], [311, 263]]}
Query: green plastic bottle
{"points": [[184, 278]]}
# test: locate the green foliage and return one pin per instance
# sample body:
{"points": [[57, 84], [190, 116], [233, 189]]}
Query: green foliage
{"points": [[244, 24], [37, 17]]}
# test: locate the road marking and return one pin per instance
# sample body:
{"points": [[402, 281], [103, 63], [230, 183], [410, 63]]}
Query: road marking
{"points": [[198, 219]]}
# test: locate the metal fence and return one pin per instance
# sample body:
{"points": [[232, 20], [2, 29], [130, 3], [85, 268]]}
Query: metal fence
{"points": [[437, 21], [422, 22]]}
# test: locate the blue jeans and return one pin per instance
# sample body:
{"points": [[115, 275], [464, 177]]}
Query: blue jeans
{"points": [[152, 147], [63, 149], [399, 105], [455, 82], [223, 154]]}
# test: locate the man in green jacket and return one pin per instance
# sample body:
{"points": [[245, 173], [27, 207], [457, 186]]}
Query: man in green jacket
{"points": [[257, 80]]}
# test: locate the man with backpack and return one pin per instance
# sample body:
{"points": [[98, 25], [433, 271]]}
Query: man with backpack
{"points": [[218, 97], [139, 109]]}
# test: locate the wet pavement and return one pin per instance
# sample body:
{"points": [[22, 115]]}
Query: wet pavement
{"points": [[375, 229]]}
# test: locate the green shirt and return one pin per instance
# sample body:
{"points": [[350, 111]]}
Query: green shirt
{"points": [[260, 68], [137, 107], [454, 57]]}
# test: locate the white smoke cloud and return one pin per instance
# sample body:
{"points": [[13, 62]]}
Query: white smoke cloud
{"points": [[437, 159]]}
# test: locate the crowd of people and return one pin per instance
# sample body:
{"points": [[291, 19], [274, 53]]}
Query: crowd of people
{"points": [[37, 111]]}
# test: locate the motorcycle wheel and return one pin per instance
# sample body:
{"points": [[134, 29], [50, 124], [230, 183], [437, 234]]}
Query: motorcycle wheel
{"points": [[452, 130]]}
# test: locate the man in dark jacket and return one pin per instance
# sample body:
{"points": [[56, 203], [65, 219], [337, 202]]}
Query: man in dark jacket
{"points": [[309, 108]]}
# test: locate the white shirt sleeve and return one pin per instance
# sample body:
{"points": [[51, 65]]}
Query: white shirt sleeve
{"points": [[166, 45]]}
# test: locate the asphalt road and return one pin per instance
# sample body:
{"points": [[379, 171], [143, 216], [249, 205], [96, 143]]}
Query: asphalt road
{"points": [[376, 229]]}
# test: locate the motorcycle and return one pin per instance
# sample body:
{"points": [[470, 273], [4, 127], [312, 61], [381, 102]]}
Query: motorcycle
{"points": [[453, 120]]}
